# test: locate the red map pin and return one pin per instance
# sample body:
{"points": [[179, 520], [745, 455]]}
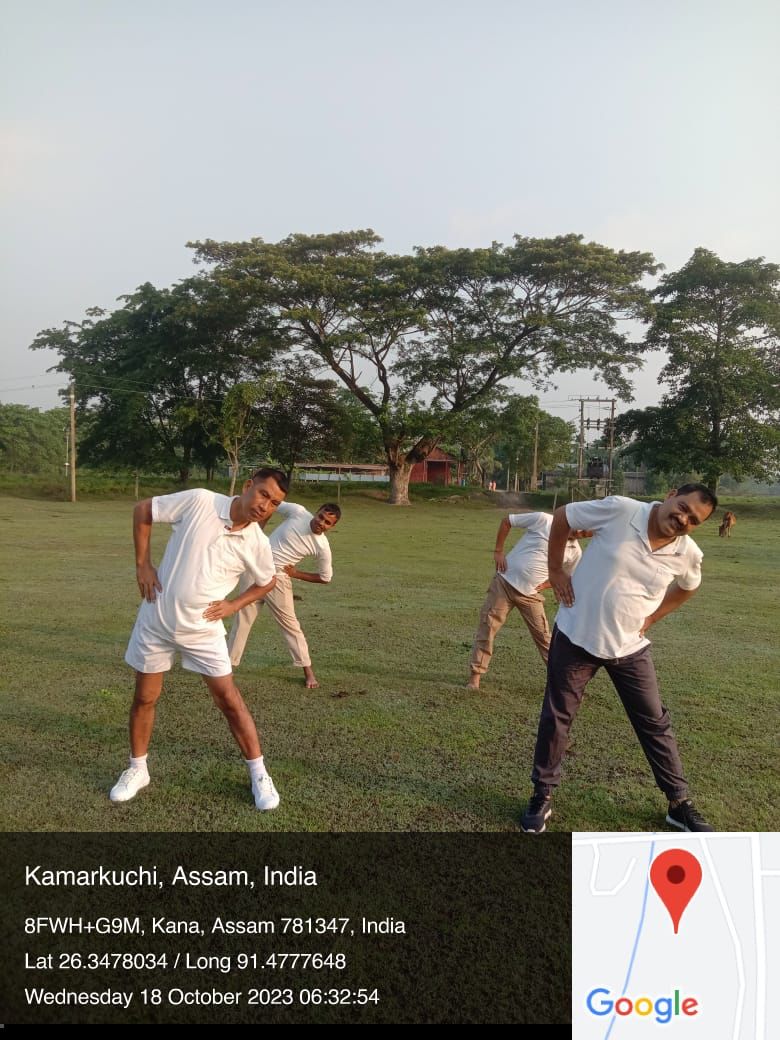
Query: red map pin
{"points": [[675, 875]]}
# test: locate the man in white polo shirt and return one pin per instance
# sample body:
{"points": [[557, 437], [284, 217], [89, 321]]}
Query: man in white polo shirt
{"points": [[215, 540], [300, 534], [520, 577], [639, 567]]}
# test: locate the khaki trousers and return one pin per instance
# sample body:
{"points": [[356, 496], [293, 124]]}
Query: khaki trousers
{"points": [[501, 597], [280, 603]]}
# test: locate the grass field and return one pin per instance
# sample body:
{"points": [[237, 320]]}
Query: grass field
{"points": [[391, 740]]}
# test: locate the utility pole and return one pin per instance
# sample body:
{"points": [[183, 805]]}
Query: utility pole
{"points": [[535, 470], [598, 425], [72, 441]]}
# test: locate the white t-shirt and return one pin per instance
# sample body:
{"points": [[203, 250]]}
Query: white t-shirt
{"points": [[203, 559], [293, 539], [526, 563], [621, 580]]}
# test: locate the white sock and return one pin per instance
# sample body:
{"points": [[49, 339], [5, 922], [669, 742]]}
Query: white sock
{"points": [[139, 763], [256, 767]]}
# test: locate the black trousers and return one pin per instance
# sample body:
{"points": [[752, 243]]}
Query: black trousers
{"points": [[569, 670]]}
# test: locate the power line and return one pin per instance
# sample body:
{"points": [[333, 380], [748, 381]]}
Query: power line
{"points": [[112, 390], [31, 375]]}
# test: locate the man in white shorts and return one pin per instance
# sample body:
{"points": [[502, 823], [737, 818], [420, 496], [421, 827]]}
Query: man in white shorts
{"points": [[518, 582], [215, 540], [300, 534], [640, 566]]}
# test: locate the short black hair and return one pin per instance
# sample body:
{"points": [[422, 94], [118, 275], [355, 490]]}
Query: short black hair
{"points": [[331, 509], [702, 491], [266, 472]]}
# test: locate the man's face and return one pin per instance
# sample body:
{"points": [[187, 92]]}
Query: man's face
{"points": [[322, 522], [679, 514], [260, 498]]}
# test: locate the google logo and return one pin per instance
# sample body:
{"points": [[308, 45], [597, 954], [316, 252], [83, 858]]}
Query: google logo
{"points": [[599, 1002]]}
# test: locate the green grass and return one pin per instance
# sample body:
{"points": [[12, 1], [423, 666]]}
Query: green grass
{"points": [[391, 740]]}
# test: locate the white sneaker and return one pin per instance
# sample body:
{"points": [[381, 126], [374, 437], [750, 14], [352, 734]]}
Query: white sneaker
{"points": [[266, 795], [129, 784]]}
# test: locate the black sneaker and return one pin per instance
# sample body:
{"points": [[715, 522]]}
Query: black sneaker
{"points": [[534, 819], [687, 818]]}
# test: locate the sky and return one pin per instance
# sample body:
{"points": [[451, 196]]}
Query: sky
{"points": [[128, 129]]}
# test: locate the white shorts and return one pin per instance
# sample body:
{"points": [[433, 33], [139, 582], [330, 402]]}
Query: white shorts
{"points": [[150, 650]]}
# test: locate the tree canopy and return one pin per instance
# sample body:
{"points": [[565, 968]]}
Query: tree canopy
{"points": [[420, 340], [720, 325], [32, 441], [156, 371]]}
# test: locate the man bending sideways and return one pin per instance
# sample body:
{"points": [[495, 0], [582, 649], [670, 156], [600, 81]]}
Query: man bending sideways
{"points": [[215, 540], [640, 566]]}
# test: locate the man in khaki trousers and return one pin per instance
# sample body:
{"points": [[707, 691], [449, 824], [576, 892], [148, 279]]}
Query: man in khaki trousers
{"points": [[518, 582], [300, 534]]}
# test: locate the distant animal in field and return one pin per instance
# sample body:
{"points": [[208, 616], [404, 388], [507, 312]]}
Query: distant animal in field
{"points": [[726, 524]]}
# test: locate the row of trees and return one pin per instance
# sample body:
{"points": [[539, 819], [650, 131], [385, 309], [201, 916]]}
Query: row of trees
{"points": [[407, 352], [292, 418], [32, 441]]}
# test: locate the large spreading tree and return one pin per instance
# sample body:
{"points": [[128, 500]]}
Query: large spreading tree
{"points": [[719, 323], [421, 340]]}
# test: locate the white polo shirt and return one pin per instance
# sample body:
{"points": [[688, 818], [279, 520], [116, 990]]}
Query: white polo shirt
{"points": [[202, 561], [526, 563], [293, 539], [621, 580]]}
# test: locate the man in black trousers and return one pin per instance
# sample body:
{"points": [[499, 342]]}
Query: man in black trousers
{"points": [[640, 566]]}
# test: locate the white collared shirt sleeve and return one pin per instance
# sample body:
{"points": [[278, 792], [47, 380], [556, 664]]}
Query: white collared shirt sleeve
{"points": [[167, 509], [324, 559], [691, 578], [591, 516], [288, 509], [530, 521]]}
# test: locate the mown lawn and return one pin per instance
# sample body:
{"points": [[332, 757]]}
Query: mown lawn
{"points": [[391, 740]]}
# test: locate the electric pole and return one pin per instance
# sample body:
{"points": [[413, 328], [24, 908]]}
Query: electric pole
{"points": [[72, 441], [597, 423]]}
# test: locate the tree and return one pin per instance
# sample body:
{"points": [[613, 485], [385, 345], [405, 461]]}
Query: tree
{"points": [[303, 416], [720, 324], [507, 435], [240, 422], [32, 441], [519, 436], [421, 340], [355, 436], [155, 371], [474, 437]]}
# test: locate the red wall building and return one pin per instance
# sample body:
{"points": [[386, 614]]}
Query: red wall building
{"points": [[438, 468]]}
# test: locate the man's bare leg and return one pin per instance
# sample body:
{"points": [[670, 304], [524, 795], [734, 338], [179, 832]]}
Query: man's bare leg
{"points": [[228, 699], [473, 683], [148, 687], [311, 678]]}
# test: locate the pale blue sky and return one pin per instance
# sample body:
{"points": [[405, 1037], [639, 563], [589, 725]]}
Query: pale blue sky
{"points": [[129, 128]]}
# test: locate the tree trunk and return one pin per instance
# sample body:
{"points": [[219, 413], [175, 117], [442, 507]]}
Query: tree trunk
{"points": [[184, 465], [399, 483]]}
